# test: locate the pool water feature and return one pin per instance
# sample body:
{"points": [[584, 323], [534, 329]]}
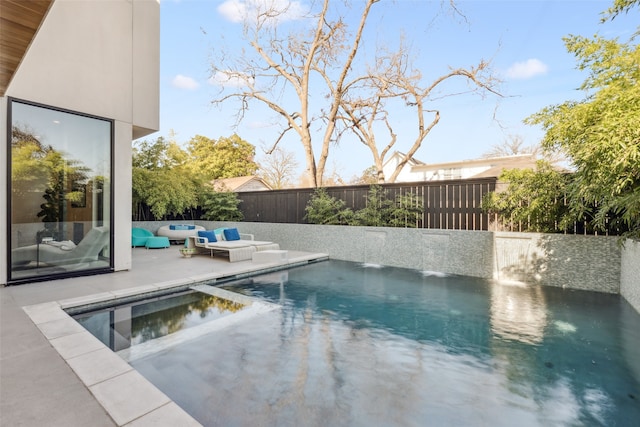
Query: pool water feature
{"points": [[354, 345]]}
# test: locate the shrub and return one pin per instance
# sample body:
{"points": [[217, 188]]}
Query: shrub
{"points": [[533, 199], [221, 206], [406, 211], [324, 209]]}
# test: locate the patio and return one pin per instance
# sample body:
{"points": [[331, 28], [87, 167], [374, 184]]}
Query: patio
{"points": [[38, 387]]}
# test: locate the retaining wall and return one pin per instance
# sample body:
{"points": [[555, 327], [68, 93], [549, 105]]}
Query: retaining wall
{"points": [[630, 273], [591, 263]]}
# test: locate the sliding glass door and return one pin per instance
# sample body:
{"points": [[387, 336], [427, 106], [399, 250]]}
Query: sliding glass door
{"points": [[60, 166]]}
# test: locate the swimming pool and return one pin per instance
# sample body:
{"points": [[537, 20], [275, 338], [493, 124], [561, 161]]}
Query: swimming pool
{"points": [[348, 344]]}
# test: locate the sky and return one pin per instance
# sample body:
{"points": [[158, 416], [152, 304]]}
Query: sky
{"points": [[521, 38]]}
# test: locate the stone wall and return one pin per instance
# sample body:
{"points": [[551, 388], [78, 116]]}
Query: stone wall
{"points": [[590, 263], [630, 273]]}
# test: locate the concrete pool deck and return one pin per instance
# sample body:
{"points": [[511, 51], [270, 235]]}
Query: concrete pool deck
{"points": [[48, 373]]}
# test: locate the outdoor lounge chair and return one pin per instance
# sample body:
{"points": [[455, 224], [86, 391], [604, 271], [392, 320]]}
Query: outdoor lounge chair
{"points": [[64, 253], [237, 249], [139, 237]]}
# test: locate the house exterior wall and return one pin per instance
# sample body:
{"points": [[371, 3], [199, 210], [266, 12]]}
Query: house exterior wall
{"points": [[405, 174], [100, 58]]}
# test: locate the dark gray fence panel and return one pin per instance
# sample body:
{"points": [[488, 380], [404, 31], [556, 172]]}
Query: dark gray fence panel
{"points": [[447, 204]]}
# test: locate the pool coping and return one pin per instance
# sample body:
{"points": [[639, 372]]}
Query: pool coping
{"points": [[127, 397]]}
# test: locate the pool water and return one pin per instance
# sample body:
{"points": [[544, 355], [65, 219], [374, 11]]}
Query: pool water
{"points": [[355, 345]]}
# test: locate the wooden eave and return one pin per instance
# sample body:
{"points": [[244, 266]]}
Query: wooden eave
{"points": [[19, 23]]}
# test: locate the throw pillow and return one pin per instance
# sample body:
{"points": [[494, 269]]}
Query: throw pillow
{"points": [[179, 227], [231, 234], [208, 234]]}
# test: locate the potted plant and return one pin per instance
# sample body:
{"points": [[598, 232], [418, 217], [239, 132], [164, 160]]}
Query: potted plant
{"points": [[187, 252]]}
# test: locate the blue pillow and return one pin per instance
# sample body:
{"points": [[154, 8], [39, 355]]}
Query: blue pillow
{"points": [[191, 227], [179, 227], [209, 234], [231, 234]]}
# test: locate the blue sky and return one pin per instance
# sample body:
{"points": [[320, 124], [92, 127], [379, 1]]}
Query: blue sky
{"points": [[523, 39]]}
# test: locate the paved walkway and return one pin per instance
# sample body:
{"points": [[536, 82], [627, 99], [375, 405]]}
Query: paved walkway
{"points": [[37, 386]]}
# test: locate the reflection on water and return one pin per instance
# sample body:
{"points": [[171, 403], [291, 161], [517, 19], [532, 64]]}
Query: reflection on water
{"points": [[355, 346], [124, 326], [518, 312]]}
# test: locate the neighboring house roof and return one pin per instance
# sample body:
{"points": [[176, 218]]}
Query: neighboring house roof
{"points": [[241, 184], [415, 170], [397, 157], [484, 167]]}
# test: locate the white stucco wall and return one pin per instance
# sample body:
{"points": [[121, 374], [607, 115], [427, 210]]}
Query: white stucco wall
{"points": [[100, 58], [83, 59]]}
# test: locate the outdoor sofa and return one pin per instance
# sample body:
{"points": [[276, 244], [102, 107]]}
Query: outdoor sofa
{"points": [[179, 232]]}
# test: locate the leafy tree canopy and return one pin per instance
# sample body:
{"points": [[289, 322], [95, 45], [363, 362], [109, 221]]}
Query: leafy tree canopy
{"points": [[169, 179], [533, 201], [600, 134], [158, 154], [223, 158]]}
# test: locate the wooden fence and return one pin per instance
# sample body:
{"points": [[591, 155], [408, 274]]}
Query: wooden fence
{"points": [[455, 204]]}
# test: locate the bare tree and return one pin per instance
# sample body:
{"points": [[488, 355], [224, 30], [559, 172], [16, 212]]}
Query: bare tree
{"points": [[512, 146], [393, 78], [278, 168], [296, 61], [356, 98]]}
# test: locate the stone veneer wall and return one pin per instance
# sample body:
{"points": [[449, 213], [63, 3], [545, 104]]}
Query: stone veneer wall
{"points": [[630, 274], [593, 263], [589, 263]]}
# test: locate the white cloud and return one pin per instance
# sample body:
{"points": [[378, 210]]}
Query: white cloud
{"points": [[283, 10], [527, 69], [184, 82], [231, 79]]}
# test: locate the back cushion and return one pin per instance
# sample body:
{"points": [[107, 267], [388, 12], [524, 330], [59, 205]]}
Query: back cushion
{"points": [[209, 234], [231, 234]]}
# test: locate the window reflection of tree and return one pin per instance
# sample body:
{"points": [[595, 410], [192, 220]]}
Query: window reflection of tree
{"points": [[37, 168]]}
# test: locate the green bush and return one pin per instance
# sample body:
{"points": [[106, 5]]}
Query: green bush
{"points": [[406, 211], [533, 199], [327, 210], [379, 210], [221, 206]]}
